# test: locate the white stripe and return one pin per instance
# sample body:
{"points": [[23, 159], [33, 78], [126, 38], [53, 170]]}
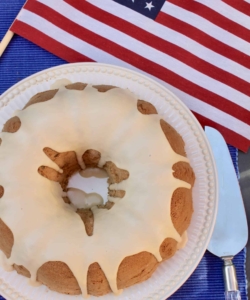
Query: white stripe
{"points": [[174, 37], [100, 56], [150, 53], [248, 1], [207, 27], [227, 11]]}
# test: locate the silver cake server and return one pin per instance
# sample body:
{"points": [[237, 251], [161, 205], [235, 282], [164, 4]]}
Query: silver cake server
{"points": [[230, 232]]}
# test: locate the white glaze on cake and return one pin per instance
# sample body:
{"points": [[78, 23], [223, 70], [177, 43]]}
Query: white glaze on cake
{"points": [[87, 187], [184, 239], [80, 199], [44, 227]]}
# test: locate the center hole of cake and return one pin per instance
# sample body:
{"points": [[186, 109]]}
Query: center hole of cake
{"points": [[88, 188]]}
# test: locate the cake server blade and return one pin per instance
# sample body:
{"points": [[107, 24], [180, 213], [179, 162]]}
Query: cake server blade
{"points": [[231, 231]]}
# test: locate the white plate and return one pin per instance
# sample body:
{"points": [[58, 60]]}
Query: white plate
{"points": [[173, 273]]}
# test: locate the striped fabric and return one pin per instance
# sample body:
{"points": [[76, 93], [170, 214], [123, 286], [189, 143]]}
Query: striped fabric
{"points": [[199, 49]]}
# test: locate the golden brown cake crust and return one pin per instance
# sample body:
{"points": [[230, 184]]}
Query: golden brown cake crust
{"points": [[67, 161], [1, 191], [6, 240], [133, 269], [174, 138], [41, 97], [146, 108], [12, 125]]}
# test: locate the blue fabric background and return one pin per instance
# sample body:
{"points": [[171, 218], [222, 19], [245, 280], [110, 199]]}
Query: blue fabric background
{"points": [[21, 59]]}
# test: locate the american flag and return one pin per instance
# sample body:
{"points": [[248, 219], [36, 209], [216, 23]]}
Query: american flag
{"points": [[198, 49]]}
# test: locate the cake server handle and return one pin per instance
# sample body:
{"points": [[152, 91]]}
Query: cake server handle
{"points": [[230, 279]]}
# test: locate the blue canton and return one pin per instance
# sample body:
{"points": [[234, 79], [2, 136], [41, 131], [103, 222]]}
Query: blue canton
{"points": [[148, 8]]}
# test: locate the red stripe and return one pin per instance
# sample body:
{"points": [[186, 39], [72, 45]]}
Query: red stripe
{"points": [[163, 46], [140, 62], [204, 39], [230, 136], [240, 5], [214, 17], [48, 43]]}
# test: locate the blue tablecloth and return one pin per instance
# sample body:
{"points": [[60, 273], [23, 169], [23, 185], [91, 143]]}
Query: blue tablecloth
{"points": [[21, 59]]}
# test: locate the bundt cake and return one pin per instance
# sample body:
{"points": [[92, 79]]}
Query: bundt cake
{"points": [[106, 247]]}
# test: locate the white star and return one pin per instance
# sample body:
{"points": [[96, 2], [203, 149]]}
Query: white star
{"points": [[149, 5]]}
